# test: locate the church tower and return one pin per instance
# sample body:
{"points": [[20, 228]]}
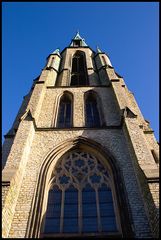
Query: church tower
{"points": [[80, 159]]}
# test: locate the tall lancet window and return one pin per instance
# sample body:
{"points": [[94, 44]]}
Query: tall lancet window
{"points": [[80, 199], [79, 73], [64, 119], [91, 111]]}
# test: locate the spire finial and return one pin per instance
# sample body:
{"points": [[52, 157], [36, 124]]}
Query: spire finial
{"points": [[98, 49]]}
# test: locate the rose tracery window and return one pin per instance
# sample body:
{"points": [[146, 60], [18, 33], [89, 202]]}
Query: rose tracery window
{"points": [[80, 199]]}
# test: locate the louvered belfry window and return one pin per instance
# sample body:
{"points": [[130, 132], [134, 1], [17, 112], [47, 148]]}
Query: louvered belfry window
{"points": [[80, 199], [79, 73]]}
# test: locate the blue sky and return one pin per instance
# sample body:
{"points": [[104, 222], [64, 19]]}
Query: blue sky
{"points": [[127, 32]]}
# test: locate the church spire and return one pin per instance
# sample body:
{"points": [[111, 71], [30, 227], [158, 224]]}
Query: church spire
{"points": [[77, 36], [57, 51], [98, 50], [78, 41]]}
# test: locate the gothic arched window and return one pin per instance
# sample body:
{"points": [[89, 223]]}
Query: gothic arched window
{"points": [[64, 119], [91, 111], [78, 74], [80, 198]]}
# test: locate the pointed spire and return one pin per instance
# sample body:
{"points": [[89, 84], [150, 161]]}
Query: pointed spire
{"points": [[98, 50], [78, 37], [57, 51]]}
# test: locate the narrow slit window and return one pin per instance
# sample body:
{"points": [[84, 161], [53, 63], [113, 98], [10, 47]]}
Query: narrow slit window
{"points": [[155, 156], [104, 60], [52, 62]]}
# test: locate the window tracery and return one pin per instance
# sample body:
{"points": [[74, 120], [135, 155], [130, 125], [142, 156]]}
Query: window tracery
{"points": [[80, 199]]}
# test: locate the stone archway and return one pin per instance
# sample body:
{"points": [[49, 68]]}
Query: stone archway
{"points": [[52, 159]]}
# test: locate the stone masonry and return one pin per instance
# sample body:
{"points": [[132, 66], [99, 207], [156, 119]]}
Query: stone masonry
{"points": [[125, 134]]}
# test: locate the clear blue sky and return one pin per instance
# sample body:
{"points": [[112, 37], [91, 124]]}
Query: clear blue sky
{"points": [[127, 32]]}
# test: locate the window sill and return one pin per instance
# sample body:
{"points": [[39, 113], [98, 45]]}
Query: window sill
{"points": [[78, 128], [87, 86]]}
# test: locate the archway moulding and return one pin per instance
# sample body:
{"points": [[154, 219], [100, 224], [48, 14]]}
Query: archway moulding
{"points": [[46, 169]]}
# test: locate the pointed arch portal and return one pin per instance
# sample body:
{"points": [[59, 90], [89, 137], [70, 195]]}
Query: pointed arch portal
{"points": [[77, 194]]}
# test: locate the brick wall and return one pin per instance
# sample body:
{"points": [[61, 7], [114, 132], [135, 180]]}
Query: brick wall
{"points": [[129, 146]]}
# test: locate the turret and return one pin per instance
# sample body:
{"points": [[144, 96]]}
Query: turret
{"points": [[102, 62], [53, 60], [102, 59]]}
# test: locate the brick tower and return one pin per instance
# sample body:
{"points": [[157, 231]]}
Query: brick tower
{"points": [[80, 159]]}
